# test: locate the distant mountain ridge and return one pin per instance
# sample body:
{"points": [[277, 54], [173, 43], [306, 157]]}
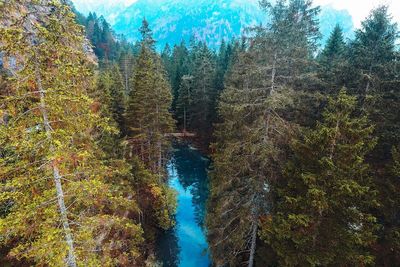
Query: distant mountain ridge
{"points": [[176, 20], [208, 20]]}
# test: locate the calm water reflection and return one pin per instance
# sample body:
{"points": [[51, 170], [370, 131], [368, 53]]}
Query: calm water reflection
{"points": [[186, 245]]}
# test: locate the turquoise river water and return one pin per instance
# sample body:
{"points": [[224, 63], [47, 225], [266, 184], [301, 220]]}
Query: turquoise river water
{"points": [[186, 244]]}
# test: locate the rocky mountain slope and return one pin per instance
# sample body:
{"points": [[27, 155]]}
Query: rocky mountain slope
{"points": [[211, 21]]}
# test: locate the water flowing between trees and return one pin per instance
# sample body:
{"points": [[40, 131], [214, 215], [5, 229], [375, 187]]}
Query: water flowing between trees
{"points": [[186, 244]]}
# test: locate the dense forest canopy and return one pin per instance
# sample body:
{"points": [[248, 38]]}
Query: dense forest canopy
{"points": [[304, 139]]}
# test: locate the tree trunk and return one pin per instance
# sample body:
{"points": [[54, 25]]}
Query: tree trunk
{"points": [[369, 81], [71, 261], [253, 244], [333, 145], [184, 119], [273, 74], [126, 76], [159, 147]]}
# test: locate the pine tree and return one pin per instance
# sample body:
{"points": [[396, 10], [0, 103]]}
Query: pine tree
{"points": [[332, 60], [147, 35], [322, 215], [236, 189], [180, 67], [204, 93], [107, 40], [110, 89], [258, 117], [185, 101], [148, 117], [222, 65], [166, 57], [149, 124], [377, 66], [374, 64], [126, 64], [373, 50], [388, 247], [117, 98], [61, 209]]}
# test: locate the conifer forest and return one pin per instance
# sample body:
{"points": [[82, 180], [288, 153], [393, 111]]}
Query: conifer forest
{"points": [[273, 147]]}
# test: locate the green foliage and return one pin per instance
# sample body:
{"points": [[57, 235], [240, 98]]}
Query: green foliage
{"points": [[322, 214], [318, 193], [256, 110], [185, 101], [110, 85], [147, 36], [179, 68], [148, 116], [332, 61], [49, 87], [105, 43], [149, 123], [374, 73], [373, 50], [203, 90]]}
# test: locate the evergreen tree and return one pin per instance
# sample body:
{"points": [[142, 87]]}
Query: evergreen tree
{"points": [[322, 214], [180, 67], [148, 117], [374, 58], [118, 99], [111, 84], [185, 101], [374, 64], [388, 245], [373, 50], [149, 124], [107, 42], [258, 117], [204, 93], [332, 60], [106, 45], [62, 210], [236, 183], [126, 64], [147, 35], [222, 65], [166, 57], [285, 54]]}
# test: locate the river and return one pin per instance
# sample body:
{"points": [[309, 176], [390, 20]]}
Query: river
{"points": [[185, 245]]}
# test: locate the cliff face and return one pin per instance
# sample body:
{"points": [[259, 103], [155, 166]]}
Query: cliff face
{"points": [[25, 15]]}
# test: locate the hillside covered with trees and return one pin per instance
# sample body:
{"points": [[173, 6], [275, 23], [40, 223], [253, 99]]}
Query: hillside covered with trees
{"points": [[304, 140]]}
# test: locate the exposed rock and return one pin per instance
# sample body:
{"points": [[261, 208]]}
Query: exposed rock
{"points": [[28, 13]]}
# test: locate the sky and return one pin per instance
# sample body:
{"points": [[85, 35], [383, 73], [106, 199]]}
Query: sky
{"points": [[359, 9]]}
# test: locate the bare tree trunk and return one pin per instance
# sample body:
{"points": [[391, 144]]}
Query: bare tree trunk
{"points": [[268, 111], [253, 244], [159, 147], [126, 76], [56, 176], [149, 152], [333, 145], [273, 74], [141, 151], [369, 81], [184, 119]]}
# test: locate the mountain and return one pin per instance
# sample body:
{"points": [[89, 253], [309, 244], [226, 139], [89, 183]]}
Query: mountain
{"points": [[208, 20], [176, 20], [329, 17], [109, 9]]}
